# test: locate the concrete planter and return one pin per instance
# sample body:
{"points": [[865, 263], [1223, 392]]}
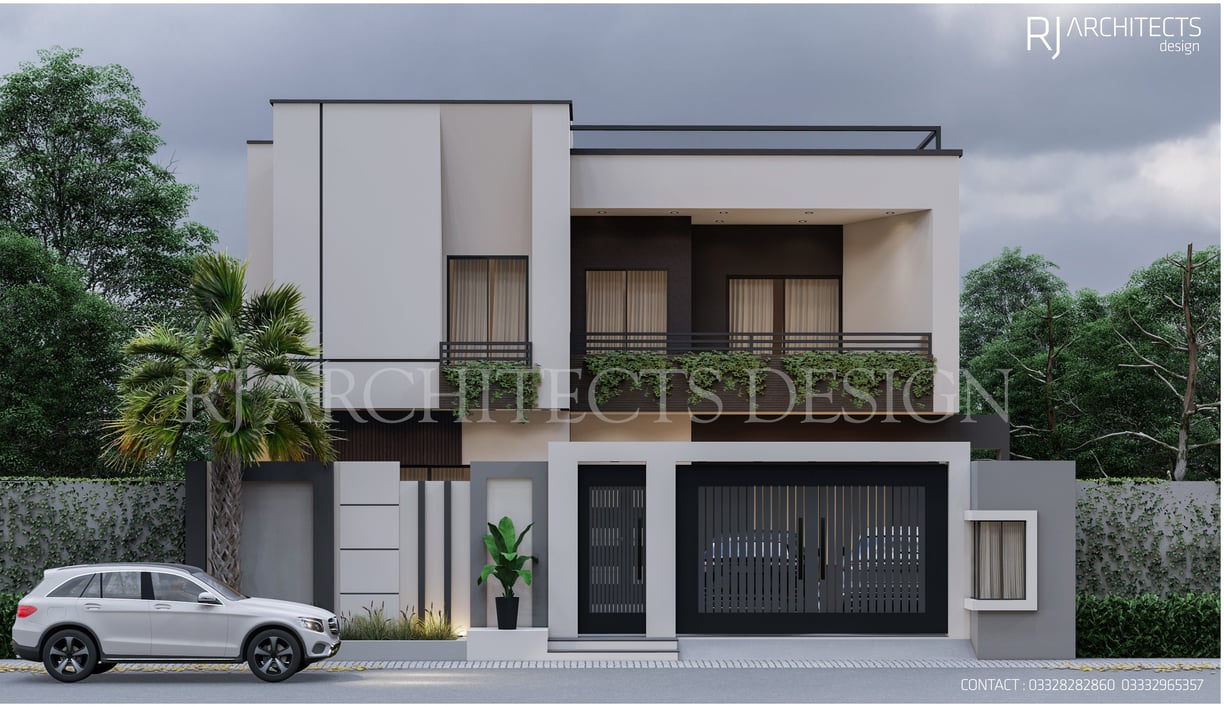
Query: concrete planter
{"points": [[403, 650]]}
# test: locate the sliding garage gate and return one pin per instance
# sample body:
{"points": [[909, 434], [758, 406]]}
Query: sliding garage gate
{"points": [[812, 548]]}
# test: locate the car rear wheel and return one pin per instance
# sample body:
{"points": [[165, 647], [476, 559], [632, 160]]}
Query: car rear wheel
{"points": [[70, 655], [273, 655]]}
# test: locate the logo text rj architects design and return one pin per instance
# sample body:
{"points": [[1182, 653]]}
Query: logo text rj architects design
{"points": [[1168, 34]]}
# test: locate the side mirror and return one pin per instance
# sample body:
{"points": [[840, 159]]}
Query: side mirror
{"points": [[207, 598]]}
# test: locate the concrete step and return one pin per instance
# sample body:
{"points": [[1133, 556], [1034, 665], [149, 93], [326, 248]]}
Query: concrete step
{"points": [[613, 649], [610, 657]]}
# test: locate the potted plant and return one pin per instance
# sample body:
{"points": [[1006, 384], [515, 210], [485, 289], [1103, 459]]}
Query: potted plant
{"points": [[507, 567]]}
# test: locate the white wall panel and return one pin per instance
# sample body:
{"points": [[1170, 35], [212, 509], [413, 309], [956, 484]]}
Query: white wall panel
{"points": [[295, 201], [369, 572], [259, 216], [550, 248], [277, 538], [461, 549], [369, 527], [409, 545], [373, 483], [382, 226], [435, 545], [356, 604], [387, 386]]}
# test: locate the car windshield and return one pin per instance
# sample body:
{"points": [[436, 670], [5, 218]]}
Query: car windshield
{"points": [[222, 589]]}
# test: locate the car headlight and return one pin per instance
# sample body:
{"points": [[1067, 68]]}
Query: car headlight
{"points": [[310, 624]]}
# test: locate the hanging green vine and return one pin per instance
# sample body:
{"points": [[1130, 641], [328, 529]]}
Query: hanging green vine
{"points": [[503, 380], [56, 522], [866, 371], [733, 370], [611, 369]]}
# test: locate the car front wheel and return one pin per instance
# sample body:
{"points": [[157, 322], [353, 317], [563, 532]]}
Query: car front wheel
{"points": [[273, 655], [70, 655]]}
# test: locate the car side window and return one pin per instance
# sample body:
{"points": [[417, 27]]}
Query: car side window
{"points": [[72, 588], [94, 589], [171, 587], [121, 585]]}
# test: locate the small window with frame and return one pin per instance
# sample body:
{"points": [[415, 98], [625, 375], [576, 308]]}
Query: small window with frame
{"points": [[1004, 567]]}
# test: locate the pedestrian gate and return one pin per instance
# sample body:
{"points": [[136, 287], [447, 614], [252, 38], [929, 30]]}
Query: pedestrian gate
{"points": [[612, 542]]}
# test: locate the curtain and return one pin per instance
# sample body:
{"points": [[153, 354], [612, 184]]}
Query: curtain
{"points": [[605, 295], [1000, 560], [469, 299], [1012, 558], [646, 301], [620, 302], [812, 307], [508, 300], [750, 310]]}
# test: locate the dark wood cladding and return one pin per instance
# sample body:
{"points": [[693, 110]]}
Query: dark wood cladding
{"points": [[410, 442], [633, 243], [723, 252], [981, 431]]}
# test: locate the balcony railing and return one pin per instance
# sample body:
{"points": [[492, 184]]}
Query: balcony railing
{"points": [[455, 351], [765, 343]]}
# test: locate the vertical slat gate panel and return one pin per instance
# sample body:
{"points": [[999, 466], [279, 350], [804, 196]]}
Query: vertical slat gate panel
{"points": [[920, 547]]}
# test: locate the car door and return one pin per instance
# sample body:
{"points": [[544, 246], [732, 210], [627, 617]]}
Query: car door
{"points": [[113, 607], [183, 627]]}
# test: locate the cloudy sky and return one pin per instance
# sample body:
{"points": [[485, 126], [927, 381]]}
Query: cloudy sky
{"points": [[1102, 159]]}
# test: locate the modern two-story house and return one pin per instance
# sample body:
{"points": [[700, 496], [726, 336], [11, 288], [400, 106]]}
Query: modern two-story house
{"points": [[716, 366]]}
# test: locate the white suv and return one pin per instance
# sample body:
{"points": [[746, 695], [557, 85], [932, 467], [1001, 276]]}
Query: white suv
{"points": [[84, 619]]}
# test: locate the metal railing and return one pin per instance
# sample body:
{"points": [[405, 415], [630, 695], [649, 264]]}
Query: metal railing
{"points": [[452, 351], [930, 137], [780, 343]]}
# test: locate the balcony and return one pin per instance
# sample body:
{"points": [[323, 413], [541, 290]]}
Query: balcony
{"points": [[817, 372], [452, 352]]}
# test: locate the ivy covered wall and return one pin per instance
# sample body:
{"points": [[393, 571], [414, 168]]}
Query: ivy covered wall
{"points": [[1137, 538], [56, 522]]}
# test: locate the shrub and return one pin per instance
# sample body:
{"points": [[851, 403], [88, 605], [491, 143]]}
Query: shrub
{"points": [[1147, 626], [8, 614], [373, 625]]}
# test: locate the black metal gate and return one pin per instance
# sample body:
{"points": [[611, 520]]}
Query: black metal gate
{"points": [[612, 549], [812, 548]]}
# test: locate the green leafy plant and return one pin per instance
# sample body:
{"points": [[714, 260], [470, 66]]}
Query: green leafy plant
{"points": [[734, 370], [611, 369], [866, 371], [374, 625], [508, 564], [8, 614], [58, 522], [504, 378], [1148, 626]]}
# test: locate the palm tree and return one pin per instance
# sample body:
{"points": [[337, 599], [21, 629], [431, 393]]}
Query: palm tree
{"points": [[246, 370]]}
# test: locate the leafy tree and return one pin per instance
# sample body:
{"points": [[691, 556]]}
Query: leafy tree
{"points": [[1167, 319], [246, 370], [997, 290], [77, 172], [59, 352]]}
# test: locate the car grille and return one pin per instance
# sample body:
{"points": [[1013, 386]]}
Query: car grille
{"points": [[333, 626]]}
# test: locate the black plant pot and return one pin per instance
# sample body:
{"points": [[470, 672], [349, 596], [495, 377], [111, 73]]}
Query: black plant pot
{"points": [[507, 613]]}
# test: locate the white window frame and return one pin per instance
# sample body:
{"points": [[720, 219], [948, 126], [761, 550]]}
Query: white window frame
{"points": [[1029, 602]]}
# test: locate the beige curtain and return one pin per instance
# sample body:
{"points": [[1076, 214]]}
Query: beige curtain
{"points": [[750, 310], [469, 299], [646, 307], [605, 301], [811, 308], [1000, 560], [508, 300]]}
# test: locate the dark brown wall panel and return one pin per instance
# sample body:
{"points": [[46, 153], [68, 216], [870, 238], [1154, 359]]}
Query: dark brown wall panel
{"points": [[411, 443], [981, 431], [632, 243], [722, 252]]}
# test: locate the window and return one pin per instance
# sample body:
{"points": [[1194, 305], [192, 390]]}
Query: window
{"points": [[171, 587], [488, 299], [1004, 560], [802, 306], [72, 588], [121, 585], [626, 302]]}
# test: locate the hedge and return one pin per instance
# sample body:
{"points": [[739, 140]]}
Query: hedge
{"points": [[8, 614], [1148, 626]]}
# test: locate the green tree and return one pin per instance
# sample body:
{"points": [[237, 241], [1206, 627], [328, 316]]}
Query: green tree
{"points": [[59, 352], [77, 172], [1167, 324], [245, 368], [995, 291]]}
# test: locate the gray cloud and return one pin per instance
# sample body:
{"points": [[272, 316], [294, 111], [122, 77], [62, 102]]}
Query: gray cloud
{"points": [[208, 71]]}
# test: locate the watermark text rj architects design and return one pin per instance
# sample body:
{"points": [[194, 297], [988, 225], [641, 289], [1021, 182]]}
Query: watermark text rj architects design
{"points": [[1170, 35]]}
